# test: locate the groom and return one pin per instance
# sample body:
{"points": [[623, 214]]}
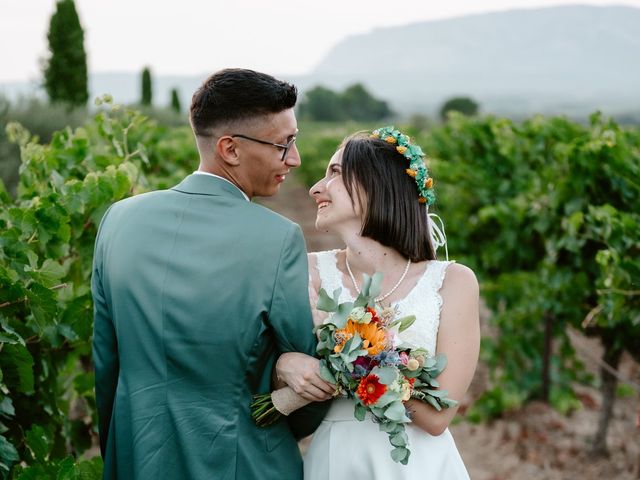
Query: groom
{"points": [[196, 291]]}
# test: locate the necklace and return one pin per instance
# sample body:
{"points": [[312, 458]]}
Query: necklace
{"points": [[381, 297]]}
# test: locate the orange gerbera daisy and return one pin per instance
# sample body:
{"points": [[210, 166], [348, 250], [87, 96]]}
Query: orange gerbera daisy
{"points": [[370, 389], [373, 338]]}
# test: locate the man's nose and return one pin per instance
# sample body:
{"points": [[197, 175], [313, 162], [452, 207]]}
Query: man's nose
{"points": [[292, 158]]}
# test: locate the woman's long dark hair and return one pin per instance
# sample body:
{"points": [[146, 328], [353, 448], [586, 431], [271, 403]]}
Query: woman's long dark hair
{"points": [[374, 175]]}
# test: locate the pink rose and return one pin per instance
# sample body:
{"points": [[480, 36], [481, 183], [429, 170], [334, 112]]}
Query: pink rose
{"points": [[404, 358]]}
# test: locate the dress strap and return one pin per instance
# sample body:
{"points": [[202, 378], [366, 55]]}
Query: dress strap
{"points": [[326, 263], [435, 279]]}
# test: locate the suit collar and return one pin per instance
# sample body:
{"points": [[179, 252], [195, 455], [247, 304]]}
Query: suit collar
{"points": [[209, 185]]}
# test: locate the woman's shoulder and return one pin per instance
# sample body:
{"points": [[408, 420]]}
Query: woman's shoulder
{"points": [[457, 270], [459, 280]]}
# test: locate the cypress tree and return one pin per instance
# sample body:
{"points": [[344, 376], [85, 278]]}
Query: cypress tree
{"points": [[175, 100], [65, 71], [147, 93]]}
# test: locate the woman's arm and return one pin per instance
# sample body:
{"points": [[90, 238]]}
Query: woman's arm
{"points": [[459, 340]]}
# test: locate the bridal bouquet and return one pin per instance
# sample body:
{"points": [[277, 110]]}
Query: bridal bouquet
{"points": [[363, 356]]}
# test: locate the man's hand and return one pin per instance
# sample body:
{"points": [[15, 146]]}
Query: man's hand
{"points": [[302, 373]]}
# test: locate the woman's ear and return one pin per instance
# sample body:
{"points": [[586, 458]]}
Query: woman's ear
{"points": [[227, 150]]}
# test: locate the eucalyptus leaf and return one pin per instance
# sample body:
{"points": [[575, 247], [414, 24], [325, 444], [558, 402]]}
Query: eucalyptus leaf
{"points": [[400, 455], [360, 412], [448, 402], [325, 372], [400, 439], [375, 287], [337, 363], [387, 398], [433, 402], [354, 343], [404, 322], [441, 362], [327, 303], [366, 285], [437, 393], [361, 301], [389, 427], [396, 412], [353, 356], [387, 375]]}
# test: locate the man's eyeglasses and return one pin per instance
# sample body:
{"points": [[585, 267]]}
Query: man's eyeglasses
{"points": [[285, 147]]}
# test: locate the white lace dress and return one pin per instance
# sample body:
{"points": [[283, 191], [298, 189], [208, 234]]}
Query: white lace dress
{"points": [[343, 448]]}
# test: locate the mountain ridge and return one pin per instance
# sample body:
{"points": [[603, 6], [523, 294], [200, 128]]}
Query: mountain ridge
{"points": [[541, 57], [566, 59]]}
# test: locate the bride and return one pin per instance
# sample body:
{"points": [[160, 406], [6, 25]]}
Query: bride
{"points": [[375, 197]]}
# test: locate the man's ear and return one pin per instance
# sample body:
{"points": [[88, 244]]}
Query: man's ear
{"points": [[226, 149]]}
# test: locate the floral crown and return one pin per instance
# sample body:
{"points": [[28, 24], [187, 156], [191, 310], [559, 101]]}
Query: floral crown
{"points": [[417, 168]]}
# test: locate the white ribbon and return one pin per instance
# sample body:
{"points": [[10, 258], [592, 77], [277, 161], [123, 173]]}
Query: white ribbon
{"points": [[438, 235]]}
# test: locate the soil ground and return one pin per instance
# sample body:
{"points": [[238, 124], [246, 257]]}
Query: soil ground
{"points": [[535, 443]]}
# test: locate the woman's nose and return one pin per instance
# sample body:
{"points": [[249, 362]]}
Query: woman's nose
{"points": [[317, 188]]}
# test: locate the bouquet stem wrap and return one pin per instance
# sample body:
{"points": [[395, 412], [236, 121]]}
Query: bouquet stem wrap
{"points": [[269, 407], [286, 401]]}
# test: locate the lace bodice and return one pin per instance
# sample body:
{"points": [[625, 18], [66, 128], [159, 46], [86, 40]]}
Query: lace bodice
{"points": [[423, 301]]}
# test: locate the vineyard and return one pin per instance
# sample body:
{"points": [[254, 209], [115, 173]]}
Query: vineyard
{"points": [[546, 211]]}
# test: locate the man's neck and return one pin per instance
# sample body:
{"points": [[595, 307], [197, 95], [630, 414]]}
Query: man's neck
{"points": [[221, 175]]}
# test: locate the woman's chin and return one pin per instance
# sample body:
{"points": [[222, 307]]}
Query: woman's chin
{"points": [[322, 225]]}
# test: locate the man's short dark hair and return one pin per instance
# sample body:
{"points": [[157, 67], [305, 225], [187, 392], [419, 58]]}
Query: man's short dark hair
{"points": [[374, 174], [235, 94]]}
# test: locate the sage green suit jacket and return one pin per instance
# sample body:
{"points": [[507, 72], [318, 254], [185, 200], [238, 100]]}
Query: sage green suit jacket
{"points": [[196, 291]]}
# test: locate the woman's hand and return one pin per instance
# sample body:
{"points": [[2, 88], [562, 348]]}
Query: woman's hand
{"points": [[302, 373]]}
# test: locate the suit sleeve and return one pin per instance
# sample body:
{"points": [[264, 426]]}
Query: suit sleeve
{"points": [[292, 322], [105, 346]]}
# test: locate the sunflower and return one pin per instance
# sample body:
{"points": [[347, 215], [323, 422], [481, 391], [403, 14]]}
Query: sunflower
{"points": [[373, 338], [370, 389]]}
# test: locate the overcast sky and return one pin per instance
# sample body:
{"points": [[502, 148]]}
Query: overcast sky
{"points": [[187, 37]]}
